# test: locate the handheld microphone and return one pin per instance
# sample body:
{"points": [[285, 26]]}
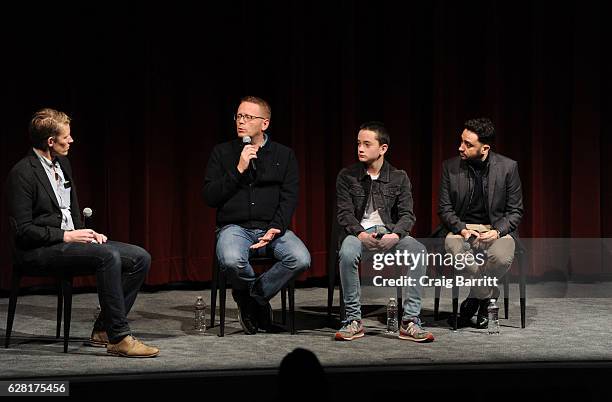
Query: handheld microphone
{"points": [[246, 141], [87, 213], [468, 245], [380, 232]]}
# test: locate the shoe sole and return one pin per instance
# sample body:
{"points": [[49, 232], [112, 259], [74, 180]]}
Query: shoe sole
{"points": [[410, 338], [133, 356], [342, 338], [95, 344]]}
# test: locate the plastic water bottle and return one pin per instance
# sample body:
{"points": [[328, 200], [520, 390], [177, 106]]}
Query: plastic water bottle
{"points": [[392, 325], [199, 324], [493, 310]]}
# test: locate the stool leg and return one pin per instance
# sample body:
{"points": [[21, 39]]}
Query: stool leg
{"points": [[12, 307], [60, 302], [292, 306], [284, 305], [213, 290], [67, 291], [455, 293], [331, 285], [342, 312], [398, 293], [222, 297], [522, 287], [506, 295], [438, 290]]}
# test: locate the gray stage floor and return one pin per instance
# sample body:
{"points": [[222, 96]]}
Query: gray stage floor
{"points": [[565, 322]]}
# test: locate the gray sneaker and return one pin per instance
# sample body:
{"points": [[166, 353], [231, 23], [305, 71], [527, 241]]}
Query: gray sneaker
{"points": [[350, 331], [411, 330]]}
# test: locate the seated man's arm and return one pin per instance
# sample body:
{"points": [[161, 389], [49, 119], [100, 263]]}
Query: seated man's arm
{"points": [[446, 211], [219, 184], [345, 210], [288, 197], [21, 190], [405, 209], [514, 204]]}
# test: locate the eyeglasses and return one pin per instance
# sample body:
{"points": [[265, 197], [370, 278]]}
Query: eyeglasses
{"points": [[247, 117]]}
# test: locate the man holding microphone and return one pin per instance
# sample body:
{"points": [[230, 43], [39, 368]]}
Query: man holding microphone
{"points": [[253, 183]]}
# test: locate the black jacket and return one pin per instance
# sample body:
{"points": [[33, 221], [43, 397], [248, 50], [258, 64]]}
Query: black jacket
{"points": [[502, 190], [391, 194], [263, 199], [33, 205]]}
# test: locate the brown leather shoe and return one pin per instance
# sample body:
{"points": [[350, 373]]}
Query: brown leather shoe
{"points": [[131, 347], [98, 339]]}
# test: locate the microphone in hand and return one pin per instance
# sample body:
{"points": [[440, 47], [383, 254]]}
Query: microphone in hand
{"points": [[87, 213], [247, 141]]}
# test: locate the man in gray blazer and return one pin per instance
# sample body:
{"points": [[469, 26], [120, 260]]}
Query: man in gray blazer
{"points": [[481, 204]]}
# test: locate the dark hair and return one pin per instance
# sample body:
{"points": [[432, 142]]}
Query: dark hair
{"points": [[44, 124], [483, 128], [382, 135], [302, 367], [258, 101]]}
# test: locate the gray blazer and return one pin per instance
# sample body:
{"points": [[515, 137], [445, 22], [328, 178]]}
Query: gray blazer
{"points": [[504, 195]]}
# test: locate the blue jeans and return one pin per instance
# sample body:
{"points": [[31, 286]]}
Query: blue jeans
{"points": [[120, 271], [350, 257], [233, 253]]}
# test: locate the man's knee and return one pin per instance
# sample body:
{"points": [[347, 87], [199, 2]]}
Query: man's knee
{"points": [[500, 260], [501, 253], [453, 243], [298, 260], [144, 259], [110, 259], [411, 245], [230, 258], [350, 249]]}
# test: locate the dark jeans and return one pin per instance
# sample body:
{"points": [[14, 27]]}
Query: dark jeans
{"points": [[120, 271]]}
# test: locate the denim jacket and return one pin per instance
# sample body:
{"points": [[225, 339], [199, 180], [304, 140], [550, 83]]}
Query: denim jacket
{"points": [[391, 194]]}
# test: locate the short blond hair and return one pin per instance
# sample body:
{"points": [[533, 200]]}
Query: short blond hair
{"points": [[265, 105], [46, 123]]}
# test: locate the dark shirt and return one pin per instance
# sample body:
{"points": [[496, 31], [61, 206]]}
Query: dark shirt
{"points": [[477, 209], [261, 199]]}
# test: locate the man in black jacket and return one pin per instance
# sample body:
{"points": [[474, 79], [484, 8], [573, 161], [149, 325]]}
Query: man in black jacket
{"points": [[481, 205], [253, 183], [49, 233], [374, 206]]}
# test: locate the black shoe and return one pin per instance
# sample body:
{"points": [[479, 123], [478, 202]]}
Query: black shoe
{"points": [[482, 318], [462, 322], [264, 316], [468, 308], [246, 315], [482, 321]]}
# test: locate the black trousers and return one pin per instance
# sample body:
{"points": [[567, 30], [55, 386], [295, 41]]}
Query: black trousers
{"points": [[120, 271]]}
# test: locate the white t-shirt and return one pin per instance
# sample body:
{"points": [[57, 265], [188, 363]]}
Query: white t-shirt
{"points": [[371, 217]]}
